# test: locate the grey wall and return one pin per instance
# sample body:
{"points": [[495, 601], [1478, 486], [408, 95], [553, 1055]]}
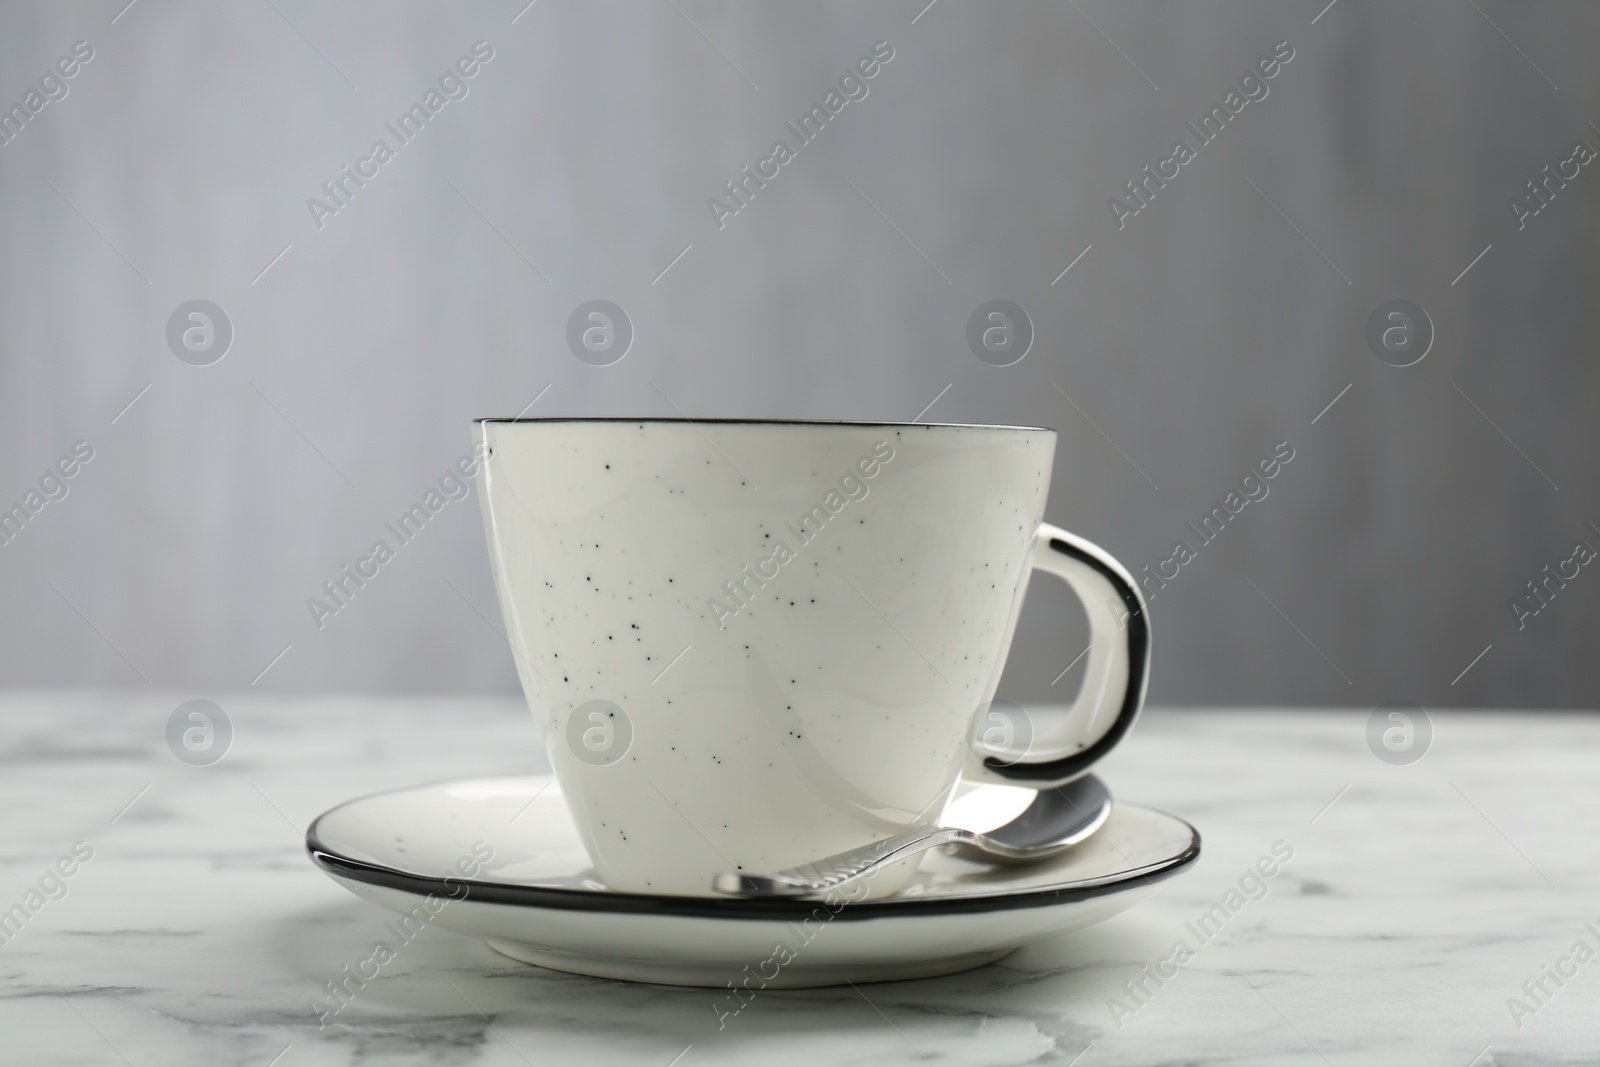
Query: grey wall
{"points": [[1217, 322]]}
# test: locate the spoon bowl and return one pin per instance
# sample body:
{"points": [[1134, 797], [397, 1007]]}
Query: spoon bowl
{"points": [[1053, 822]]}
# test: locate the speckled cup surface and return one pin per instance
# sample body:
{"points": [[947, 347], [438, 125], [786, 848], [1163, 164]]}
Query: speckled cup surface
{"points": [[754, 644]]}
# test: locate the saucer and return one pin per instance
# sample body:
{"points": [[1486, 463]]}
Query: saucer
{"points": [[500, 860]]}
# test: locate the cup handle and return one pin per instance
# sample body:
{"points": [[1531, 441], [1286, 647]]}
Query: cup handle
{"points": [[1114, 681]]}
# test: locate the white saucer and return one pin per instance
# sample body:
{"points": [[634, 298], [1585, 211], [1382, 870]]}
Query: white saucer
{"points": [[537, 899]]}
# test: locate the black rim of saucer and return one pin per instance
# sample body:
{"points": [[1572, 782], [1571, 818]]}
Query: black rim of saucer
{"points": [[564, 898]]}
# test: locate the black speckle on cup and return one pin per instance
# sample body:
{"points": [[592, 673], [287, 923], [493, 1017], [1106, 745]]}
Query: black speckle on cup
{"points": [[599, 733]]}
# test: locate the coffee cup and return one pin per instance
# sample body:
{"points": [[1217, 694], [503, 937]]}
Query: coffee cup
{"points": [[753, 644]]}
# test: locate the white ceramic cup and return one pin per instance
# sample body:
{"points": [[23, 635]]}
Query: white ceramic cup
{"points": [[754, 644]]}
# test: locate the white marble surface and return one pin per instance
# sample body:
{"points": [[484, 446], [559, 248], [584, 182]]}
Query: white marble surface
{"points": [[1413, 908]]}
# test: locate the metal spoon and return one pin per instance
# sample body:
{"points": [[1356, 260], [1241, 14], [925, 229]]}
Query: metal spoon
{"points": [[1056, 820]]}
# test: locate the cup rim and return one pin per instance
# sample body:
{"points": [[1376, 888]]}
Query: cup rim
{"points": [[764, 422]]}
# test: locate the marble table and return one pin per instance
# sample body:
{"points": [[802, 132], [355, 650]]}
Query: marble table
{"points": [[1418, 901]]}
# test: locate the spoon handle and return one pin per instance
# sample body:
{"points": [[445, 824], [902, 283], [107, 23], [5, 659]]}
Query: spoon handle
{"points": [[1054, 821], [810, 879]]}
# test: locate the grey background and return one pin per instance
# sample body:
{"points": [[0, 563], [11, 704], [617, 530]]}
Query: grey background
{"points": [[1190, 342]]}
